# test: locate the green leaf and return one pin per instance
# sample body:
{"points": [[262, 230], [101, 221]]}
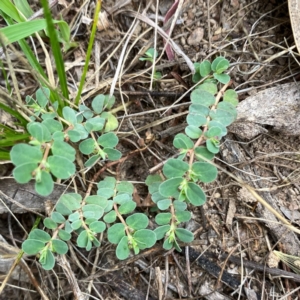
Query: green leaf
{"points": [[110, 217], [153, 188], [97, 226], [108, 140], [112, 154], [214, 123], [202, 151], [69, 115], [228, 107], [32, 247], [196, 77], [23, 153], [222, 66], [161, 231], [137, 221], [216, 61], [76, 225], [52, 125], [205, 68], [68, 228], [63, 149], [179, 205], [58, 136], [107, 182], [222, 116], [109, 206], [58, 217], [96, 243], [145, 238], [74, 136], [127, 207], [223, 78], [86, 112], [81, 130], [95, 124], [163, 218], [151, 52], [47, 260], [125, 187], [196, 119], [90, 221], [170, 187], [60, 207], [213, 132], [92, 160], [212, 145], [64, 235], [195, 194], [164, 204], [105, 192], [46, 185], [181, 141], [92, 211], [96, 199], [42, 96], [61, 167], [111, 121], [98, 103], [157, 197], [122, 198], [231, 96], [60, 247], [23, 173], [175, 168], [87, 146], [183, 216], [109, 101], [202, 97], [209, 87], [71, 201], [199, 110], [16, 32], [49, 223], [83, 239], [193, 132], [40, 235], [115, 233], [184, 235], [167, 245], [123, 250]]}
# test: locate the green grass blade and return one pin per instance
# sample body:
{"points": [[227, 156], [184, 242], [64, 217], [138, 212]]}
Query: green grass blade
{"points": [[4, 155], [10, 10], [4, 74], [60, 67], [16, 32], [24, 8], [13, 139], [89, 51], [25, 49]]}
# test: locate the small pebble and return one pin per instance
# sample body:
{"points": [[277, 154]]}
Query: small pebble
{"points": [[196, 36]]}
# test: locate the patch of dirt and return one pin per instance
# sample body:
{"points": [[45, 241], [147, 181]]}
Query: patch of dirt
{"points": [[255, 37]]}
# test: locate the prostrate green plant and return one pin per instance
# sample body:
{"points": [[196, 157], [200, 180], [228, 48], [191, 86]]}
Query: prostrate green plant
{"points": [[48, 155], [150, 55], [82, 216], [207, 121]]}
